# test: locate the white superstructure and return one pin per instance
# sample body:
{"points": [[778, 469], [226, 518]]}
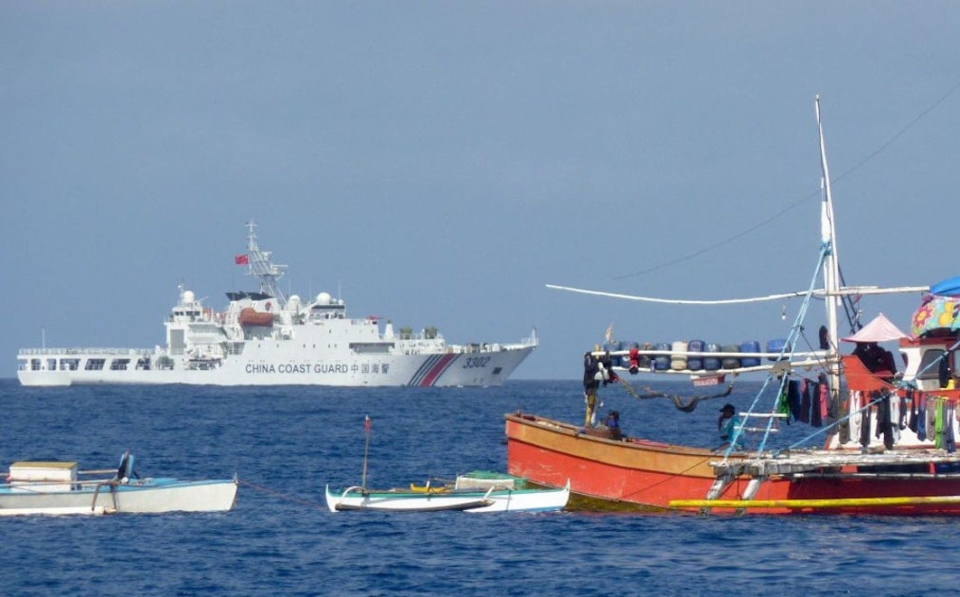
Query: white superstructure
{"points": [[265, 338]]}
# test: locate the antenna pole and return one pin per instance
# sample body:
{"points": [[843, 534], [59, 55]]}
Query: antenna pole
{"points": [[366, 452]]}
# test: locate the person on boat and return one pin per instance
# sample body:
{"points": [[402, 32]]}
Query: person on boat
{"points": [[876, 358], [596, 370], [727, 424], [591, 383], [612, 422], [606, 364]]}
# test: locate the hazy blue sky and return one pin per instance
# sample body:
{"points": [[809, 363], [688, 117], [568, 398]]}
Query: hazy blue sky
{"points": [[439, 162]]}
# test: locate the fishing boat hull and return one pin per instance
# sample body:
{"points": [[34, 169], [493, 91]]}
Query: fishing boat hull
{"points": [[492, 500], [660, 477], [150, 496], [549, 452]]}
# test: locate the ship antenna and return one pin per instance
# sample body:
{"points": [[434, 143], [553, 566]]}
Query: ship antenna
{"points": [[261, 266]]}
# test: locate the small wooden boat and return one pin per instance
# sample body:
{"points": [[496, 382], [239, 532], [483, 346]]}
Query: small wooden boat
{"points": [[469, 494], [56, 488]]}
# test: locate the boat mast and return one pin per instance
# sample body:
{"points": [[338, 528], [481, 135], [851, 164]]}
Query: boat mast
{"points": [[831, 268], [263, 268]]}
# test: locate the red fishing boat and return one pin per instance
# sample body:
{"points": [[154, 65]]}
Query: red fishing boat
{"points": [[887, 444]]}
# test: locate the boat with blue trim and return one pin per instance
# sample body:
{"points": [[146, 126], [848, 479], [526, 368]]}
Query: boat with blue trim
{"points": [[57, 488]]}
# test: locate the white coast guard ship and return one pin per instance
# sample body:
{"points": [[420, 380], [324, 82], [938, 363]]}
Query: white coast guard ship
{"points": [[264, 338]]}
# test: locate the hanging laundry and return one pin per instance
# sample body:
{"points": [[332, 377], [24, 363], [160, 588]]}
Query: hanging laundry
{"points": [[913, 399], [824, 397], [783, 403], [816, 420], [805, 402], [938, 424], [793, 398], [852, 417], [932, 407], [901, 413], [897, 416], [882, 414], [865, 427], [885, 421], [843, 428], [921, 418], [949, 441]]}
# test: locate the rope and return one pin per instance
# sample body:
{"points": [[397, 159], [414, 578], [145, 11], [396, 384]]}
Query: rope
{"points": [[687, 407], [792, 338], [668, 479], [930, 365], [283, 496], [806, 198]]}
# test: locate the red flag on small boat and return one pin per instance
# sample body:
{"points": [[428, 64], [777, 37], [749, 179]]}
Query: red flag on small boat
{"points": [[241, 260]]}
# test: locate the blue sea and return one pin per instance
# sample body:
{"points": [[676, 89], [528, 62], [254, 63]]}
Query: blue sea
{"points": [[287, 443]]}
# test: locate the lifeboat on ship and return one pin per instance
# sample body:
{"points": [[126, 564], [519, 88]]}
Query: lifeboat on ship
{"points": [[251, 317]]}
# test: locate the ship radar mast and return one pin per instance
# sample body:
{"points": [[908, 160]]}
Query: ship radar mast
{"points": [[262, 267]]}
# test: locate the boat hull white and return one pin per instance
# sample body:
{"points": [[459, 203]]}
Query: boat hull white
{"points": [[151, 496], [505, 500], [277, 368]]}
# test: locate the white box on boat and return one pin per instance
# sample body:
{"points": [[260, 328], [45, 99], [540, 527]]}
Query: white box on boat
{"points": [[485, 483], [43, 476]]}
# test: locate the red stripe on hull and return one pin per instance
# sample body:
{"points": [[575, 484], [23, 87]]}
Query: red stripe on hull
{"points": [[438, 370]]}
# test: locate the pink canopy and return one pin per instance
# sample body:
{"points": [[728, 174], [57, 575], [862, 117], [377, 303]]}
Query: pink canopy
{"points": [[878, 330]]}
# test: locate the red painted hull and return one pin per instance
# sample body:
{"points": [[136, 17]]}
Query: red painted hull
{"points": [[651, 475]]}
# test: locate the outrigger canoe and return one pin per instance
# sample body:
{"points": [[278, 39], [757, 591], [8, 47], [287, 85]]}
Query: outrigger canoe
{"points": [[465, 496]]}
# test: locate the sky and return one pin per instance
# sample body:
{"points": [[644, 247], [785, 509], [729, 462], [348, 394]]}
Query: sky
{"points": [[439, 163]]}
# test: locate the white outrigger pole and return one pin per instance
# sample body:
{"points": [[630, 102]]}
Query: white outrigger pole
{"points": [[831, 268]]}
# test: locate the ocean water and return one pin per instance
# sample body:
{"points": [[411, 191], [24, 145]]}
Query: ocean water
{"points": [[287, 443]]}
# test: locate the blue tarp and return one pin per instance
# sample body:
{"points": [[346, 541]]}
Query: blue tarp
{"points": [[948, 287]]}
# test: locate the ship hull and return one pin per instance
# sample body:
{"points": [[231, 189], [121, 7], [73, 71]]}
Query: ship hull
{"points": [[650, 476], [281, 368]]}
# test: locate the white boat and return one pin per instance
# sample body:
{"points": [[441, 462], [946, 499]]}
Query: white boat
{"points": [[469, 494], [265, 338], [57, 488]]}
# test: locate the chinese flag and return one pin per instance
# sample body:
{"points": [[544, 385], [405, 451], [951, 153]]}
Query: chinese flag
{"points": [[241, 260]]}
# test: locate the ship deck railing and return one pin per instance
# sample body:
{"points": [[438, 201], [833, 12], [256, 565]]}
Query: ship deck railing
{"points": [[836, 461], [86, 351]]}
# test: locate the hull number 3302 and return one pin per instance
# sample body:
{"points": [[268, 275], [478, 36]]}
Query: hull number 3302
{"points": [[475, 362]]}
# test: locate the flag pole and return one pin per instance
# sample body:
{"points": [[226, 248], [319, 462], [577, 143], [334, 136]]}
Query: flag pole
{"points": [[366, 451]]}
